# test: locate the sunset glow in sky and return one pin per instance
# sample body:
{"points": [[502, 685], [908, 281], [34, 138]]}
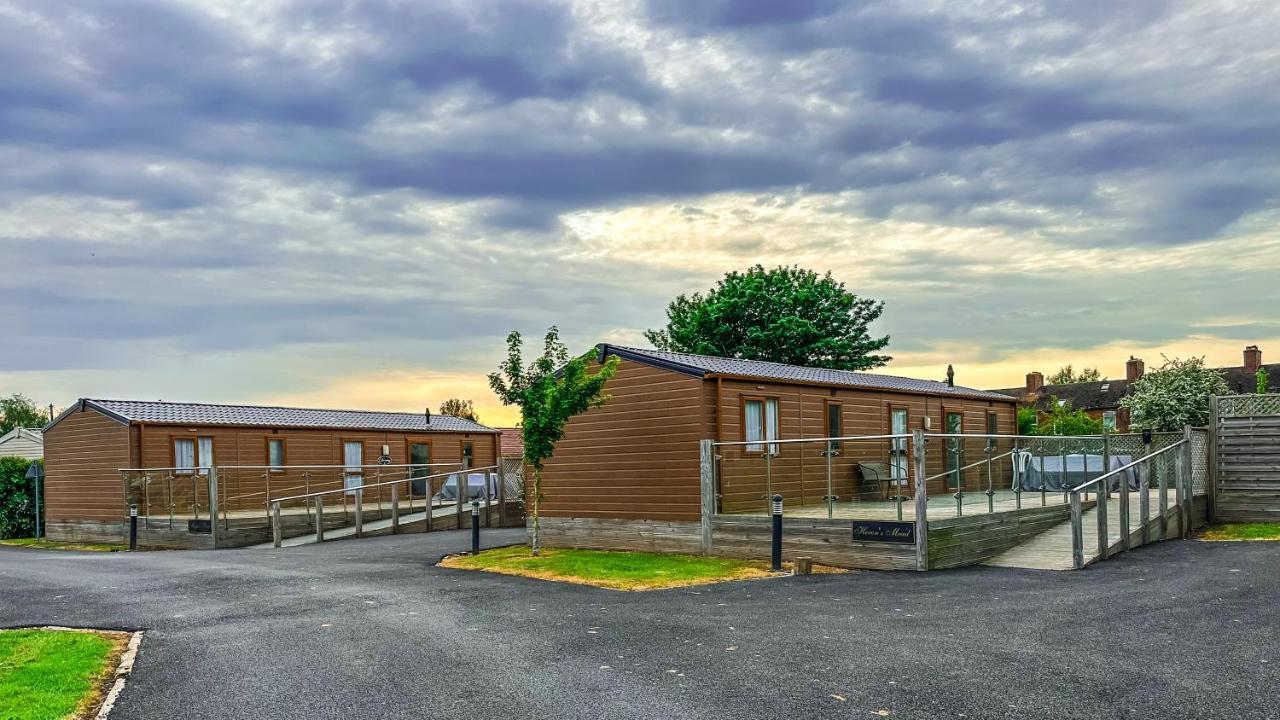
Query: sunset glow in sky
{"points": [[350, 204]]}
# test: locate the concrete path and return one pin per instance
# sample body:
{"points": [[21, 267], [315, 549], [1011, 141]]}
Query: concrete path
{"points": [[372, 629]]}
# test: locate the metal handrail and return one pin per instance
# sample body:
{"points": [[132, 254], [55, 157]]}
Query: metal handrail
{"points": [[970, 465], [1122, 468], [363, 486], [332, 467], [730, 443]]}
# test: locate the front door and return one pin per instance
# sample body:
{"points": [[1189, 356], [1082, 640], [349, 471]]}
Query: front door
{"points": [[955, 449], [420, 460], [898, 447], [352, 459]]}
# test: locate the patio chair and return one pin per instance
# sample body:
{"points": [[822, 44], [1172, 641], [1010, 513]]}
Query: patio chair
{"points": [[874, 476]]}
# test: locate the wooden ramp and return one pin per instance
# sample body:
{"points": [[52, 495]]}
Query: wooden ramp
{"points": [[1051, 549]]}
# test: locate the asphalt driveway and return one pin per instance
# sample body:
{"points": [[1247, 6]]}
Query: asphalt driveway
{"points": [[370, 629]]}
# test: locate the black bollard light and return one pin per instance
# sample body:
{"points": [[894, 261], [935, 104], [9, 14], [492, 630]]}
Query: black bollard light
{"points": [[475, 527], [777, 533], [133, 527]]}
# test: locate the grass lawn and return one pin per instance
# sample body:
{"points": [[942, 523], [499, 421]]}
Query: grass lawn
{"points": [[1243, 531], [54, 545], [54, 673], [611, 569]]}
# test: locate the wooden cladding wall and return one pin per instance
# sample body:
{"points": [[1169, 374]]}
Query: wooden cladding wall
{"points": [[634, 457], [798, 470], [82, 454]]}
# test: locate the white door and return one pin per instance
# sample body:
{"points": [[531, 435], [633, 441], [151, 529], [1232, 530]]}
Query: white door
{"points": [[898, 453], [353, 458]]}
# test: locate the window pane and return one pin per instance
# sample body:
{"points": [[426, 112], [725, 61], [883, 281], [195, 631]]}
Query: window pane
{"points": [[467, 454], [753, 424], [353, 458], [835, 426], [184, 453], [205, 455], [275, 453], [771, 423]]}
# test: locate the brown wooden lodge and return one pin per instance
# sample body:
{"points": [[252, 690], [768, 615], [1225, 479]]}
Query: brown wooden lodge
{"points": [[636, 459], [175, 444]]}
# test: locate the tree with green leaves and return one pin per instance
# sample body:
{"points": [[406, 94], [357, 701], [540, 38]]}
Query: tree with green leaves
{"points": [[785, 314], [1063, 419], [1067, 375], [549, 392], [20, 411], [1174, 396], [17, 499], [457, 407], [1028, 420], [1261, 381]]}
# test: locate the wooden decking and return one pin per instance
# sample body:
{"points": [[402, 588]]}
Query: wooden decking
{"points": [[1051, 550]]}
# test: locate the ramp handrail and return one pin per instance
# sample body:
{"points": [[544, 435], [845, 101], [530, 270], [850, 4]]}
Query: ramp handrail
{"points": [[358, 491], [1142, 467]]}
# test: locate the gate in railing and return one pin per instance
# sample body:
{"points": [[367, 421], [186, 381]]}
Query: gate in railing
{"points": [[1246, 441]]}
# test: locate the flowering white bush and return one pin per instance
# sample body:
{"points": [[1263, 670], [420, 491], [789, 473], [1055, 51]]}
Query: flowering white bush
{"points": [[1175, 395]]}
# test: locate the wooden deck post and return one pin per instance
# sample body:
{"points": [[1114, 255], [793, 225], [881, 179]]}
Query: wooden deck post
{"points": [[1077, 532], [502, 492], [275, 523], [488, 485], [1211, 463], [922, 500], [360, 511], [1187, 481], [706, 470], [395, 509], [213, 505], [1104, 535]]}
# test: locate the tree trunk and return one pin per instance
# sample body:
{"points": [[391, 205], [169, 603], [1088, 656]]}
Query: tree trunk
{"points": [[537, 497]]}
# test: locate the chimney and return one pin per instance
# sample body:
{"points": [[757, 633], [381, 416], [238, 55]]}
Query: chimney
{"points": [[951, 376], [1035, 381], [1134, 369], [1252, 359]]}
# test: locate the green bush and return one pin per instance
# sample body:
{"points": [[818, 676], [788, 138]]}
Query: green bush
{"points": [[17, 499]]}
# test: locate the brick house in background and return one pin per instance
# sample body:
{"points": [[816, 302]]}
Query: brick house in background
{"points": [[1101, 399]]}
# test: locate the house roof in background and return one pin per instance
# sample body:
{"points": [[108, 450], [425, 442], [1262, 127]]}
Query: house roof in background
{"points": [[33, 434], [1106, 394], [172, 413], [512, 442], [704, 365]]}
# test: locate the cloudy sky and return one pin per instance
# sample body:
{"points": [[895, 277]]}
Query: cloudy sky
{"points": [[350, 204]]}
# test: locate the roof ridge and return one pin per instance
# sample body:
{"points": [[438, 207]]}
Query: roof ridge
{"points": [[791, 365], [272, 407]]}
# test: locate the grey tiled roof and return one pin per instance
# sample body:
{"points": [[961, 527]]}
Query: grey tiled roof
{"points": [[260, 416], [706, 364]]}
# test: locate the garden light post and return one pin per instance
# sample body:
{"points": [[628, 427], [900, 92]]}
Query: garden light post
{"points": [[777, 533], [133, 526], [475, 527]]}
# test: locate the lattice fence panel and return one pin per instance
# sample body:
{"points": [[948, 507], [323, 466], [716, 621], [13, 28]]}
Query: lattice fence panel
{"points": [[1248, 405]]}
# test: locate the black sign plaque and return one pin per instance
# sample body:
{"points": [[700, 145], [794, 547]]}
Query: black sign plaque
{"points": [[199, 526], [884, 531]]}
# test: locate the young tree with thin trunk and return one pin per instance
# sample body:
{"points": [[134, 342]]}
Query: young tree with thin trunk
{"points": [[549, 391]]}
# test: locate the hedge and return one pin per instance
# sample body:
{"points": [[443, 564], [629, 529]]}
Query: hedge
{"points": [[17, 499]]}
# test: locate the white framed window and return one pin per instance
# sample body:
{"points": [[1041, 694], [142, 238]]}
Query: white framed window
{"points": [[760, 424], [352, 459], [275, 453], [184, 455], [204, 454], [1109, 420]]}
